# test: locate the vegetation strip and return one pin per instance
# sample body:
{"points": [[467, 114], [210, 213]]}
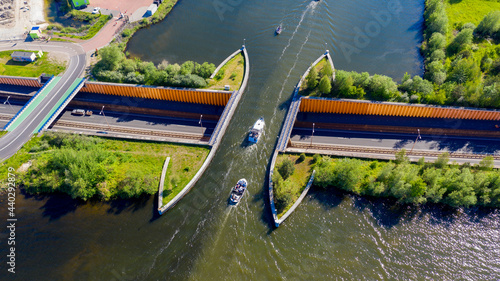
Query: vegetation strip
{"points": [[162, 182], [29, 69], [216, 142], [91, 167]]}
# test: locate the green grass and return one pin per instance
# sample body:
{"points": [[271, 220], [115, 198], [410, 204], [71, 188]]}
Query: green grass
{"points": [[230, 74], [297, 181], [464, 11], [2, 133], [181, 169], [91, 32], [29, 69], [129, 168]]}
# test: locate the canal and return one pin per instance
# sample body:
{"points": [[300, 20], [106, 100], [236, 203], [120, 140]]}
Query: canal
{"points": [[332, 235]]}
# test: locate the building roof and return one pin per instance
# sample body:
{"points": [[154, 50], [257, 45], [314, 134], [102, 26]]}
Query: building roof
{"points": [[22, 54], [35, 28]]}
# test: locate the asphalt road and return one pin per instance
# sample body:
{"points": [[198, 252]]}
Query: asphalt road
{"points": [[397, 141], [10, 143]]}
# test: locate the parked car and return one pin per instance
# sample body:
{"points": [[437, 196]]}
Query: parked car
{"points": [[96, 10], [88, 113], [79, 112]]}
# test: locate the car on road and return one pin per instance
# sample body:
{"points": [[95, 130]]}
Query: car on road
{"points": [[79, 112], [96, 10]]}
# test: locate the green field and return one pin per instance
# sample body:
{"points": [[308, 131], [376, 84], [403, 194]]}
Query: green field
{"points": [[230, 74], [286, 192], [103, 168], [29, 69], [464, 11]]}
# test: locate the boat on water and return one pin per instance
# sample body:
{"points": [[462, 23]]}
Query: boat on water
{"points": [[237, 192], [278, 30], [256, 131]]}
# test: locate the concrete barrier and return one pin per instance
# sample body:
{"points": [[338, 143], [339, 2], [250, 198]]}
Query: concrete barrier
{"points": [[299, 200], [162, 182], [216, 144]]}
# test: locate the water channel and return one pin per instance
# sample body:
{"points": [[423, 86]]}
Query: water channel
{"points": [[331, 236]]}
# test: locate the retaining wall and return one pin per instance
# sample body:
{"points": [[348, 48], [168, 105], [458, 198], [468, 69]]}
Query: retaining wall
{"points": [[324, 105], [224, 124], [20, 81], [210, 97]]}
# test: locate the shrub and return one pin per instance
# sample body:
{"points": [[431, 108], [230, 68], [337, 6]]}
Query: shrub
{"points": [[490, 25], [286, 168], [462, 40], [312, 78], [442, 160], [325, 85], [127, 32], [302, 157]]}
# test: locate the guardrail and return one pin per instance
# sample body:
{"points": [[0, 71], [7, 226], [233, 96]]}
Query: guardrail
{"points": [[28, 103]]}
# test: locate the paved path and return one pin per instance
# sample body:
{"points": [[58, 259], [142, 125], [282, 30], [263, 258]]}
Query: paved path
{"points": [[13, 141], [104, 36]]}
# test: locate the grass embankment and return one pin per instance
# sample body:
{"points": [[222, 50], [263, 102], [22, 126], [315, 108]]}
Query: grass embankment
{"points": [[29, 69], [464, 11], [438, 182], [2, 133], [182, 169], [230, 74], [451, 184], [91, 167], [74, 24], [290, 177]]}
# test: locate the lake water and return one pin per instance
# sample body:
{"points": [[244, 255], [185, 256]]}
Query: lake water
{"points": [[331, 236]]}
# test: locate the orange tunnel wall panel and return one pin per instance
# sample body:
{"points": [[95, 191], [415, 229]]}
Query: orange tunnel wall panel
{"points": [[367, 108]]}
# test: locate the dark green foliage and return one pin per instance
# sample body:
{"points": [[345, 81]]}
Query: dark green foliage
{"points": [[325, 85], [113, 67], [312, 78], [490, 25], [463, 70], [316, 158], [81, 167], [462, 40], [435, 16], [286, 168], [302, 157], [412, 183]]}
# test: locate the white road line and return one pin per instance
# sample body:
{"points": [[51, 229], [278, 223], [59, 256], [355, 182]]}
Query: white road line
{"points": [[40, 111]]}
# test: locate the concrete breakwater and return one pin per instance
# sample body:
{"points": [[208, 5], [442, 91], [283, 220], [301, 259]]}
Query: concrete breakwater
{"points": [[285, 136], [218, 133]]}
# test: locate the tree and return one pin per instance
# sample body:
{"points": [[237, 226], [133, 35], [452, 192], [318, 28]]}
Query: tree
{"points": [[442, 160], [487, 163], [463, 39], [327, 70], [436, 42], [302, 157], [325, 85], [111, 56], [312, 78], [490, 24], [286, 168], [464, 70], [401, 157], [187, 68]]}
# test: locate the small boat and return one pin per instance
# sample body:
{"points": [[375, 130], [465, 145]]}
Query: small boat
{"points": [[256, 131], [237, 192], [278, 29]]}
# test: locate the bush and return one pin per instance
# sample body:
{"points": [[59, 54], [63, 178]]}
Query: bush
{"points": [[325, 85], [442, 160], [490, 25], [286, 168], [127, 32], [302, 157], [316, 158], [462, 40], [312, 78]]}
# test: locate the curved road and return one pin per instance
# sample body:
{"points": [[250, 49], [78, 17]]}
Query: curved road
{"points": [[12, 142]]}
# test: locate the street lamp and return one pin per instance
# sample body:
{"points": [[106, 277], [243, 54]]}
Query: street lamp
{"points": [[312, 134], [7, 101], [102, 113], [418, 138], [199, 122]]}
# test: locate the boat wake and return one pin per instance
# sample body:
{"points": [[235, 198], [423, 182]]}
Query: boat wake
{"points": [[290, 72], [311, 7]]}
